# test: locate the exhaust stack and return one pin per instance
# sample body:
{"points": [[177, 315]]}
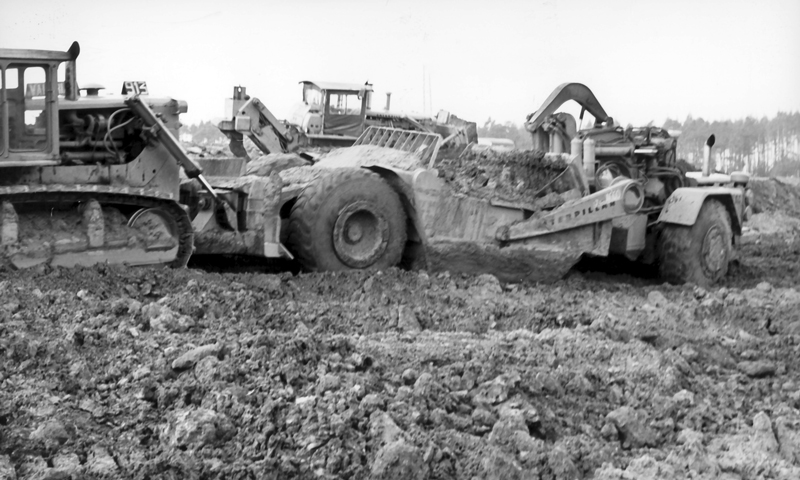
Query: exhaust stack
{"points": [[707, 155], [388, 100], [589, 154], [71, 75]]}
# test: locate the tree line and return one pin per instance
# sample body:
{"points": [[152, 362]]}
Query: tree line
{"points": [[766, 146], [205, 133]]}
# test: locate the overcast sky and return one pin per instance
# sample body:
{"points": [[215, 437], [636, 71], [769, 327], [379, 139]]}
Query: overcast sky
{"points": [[644, 60]]}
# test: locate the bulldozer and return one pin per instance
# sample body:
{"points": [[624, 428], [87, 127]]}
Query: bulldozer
{"points": [[331, 115], [87, 179]]}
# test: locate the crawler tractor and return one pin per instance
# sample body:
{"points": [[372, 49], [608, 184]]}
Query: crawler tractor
{"points": [[332, 114], [86, 179]]}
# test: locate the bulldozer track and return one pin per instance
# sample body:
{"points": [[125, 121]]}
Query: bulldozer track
{"points": [[142, 198], [95, 189]]}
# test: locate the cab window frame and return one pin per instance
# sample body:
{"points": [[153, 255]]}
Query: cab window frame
{"points": [[24, 72], [346, 109]]}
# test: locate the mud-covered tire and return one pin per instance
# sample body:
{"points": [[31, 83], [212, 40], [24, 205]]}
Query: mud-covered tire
{"points": [[700, 253], [347, 219]]}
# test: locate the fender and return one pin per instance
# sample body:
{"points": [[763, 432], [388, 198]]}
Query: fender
{"points": [[683, 206]]}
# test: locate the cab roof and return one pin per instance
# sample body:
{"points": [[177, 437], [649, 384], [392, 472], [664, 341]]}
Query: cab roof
{"points": [[33, 55], [343, 86]]}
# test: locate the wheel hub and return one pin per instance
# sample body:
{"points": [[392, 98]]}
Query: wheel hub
{"points": [[713, 251], [354, 232], [360, 235]]}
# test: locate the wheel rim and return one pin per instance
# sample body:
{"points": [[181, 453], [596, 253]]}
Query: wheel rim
{"points": [[714, 254], [360, 235], [159, 229]]}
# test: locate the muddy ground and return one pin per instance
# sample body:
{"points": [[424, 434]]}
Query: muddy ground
{"points": [[156, 373]]}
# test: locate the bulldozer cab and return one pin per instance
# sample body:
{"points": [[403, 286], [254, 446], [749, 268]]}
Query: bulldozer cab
{"points": [[29, 91], [342, 106]]}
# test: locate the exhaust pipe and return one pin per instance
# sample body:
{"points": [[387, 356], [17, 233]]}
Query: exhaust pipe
{"points": [[71, 75], [576, 147], [589, 156], [388, 100], [707, 155]]}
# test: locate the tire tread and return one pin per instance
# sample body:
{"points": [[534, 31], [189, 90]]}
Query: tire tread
{"points": [[305, 213], [678, 261]]}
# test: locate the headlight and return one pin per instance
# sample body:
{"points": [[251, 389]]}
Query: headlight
{"points": [[633, 198], [606, 175], [604, 179]]}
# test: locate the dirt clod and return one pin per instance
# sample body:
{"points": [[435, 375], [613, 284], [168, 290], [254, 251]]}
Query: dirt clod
{"points": [[512, 176], [100, 462], [407, 320], [757, 369], [656, 299], [188, 359], [194, 428], [7, 468], [399, 460], [632, 428]]}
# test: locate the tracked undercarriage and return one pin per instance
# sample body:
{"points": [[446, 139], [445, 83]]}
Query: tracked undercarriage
{"points": [[59, 227]]}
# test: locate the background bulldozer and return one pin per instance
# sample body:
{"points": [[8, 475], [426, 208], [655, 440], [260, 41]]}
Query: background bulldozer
{"points": [[332, 114]]}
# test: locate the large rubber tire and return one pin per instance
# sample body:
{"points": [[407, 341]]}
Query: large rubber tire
{"points": [[347, 219], [700, 253]]}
